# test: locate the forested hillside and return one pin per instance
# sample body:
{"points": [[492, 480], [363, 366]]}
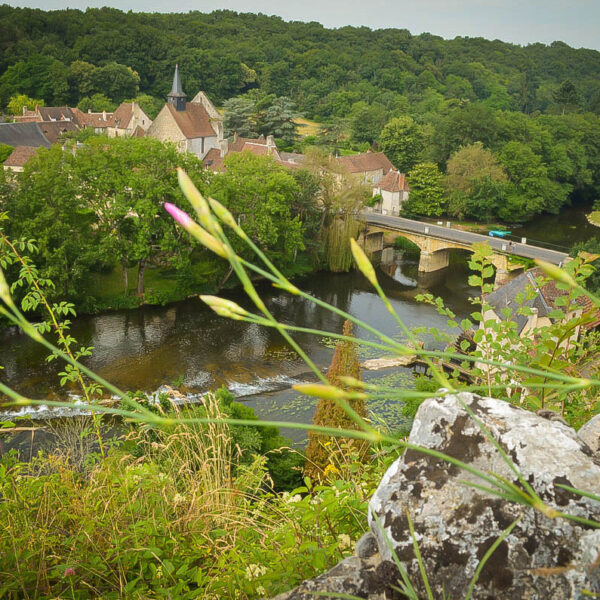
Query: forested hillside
{"points": [[516, 130], [226, 53]]}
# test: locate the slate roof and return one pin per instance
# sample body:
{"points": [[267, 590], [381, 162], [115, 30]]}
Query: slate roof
{"points": [[544, 297], [56, 113], [23, 134], [362, 163], [19, 156], [394, 181], [194, 121]]}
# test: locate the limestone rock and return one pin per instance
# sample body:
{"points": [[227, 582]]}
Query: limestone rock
{"points": [[590, 434], [455, 525], [354, 576], [550, 559], [367, 546]]}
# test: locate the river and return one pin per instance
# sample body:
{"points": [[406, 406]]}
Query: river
{"points": [[186, 344]]}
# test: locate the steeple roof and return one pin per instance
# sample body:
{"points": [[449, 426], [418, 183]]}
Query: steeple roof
{"points": [[176, 89]]}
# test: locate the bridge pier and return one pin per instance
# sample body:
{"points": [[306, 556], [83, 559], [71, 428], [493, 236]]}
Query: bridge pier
{"points": [[433, 261], [372, 242]]}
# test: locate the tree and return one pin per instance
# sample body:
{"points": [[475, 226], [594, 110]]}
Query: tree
{"points": [[126, 181], [367, 122], [17, 103], [469, 168], [260, 194], [149, 104], [426, 191], [566, 96], [278, 120], [116, 81], [320, 452], [97, 103], [81, 79], [239, 117], [402, 141], [340, 198], [5, 152], [46, 205]]}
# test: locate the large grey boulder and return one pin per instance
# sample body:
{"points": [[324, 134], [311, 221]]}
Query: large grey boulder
{"points": [[590, 434], [456, 524], [542, 558]]}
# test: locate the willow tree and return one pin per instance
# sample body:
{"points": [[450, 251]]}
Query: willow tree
{"points": [[341, 197], [323, 450]]}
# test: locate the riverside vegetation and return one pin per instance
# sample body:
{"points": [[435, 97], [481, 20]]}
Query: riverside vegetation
{"points": [[177, 509]]}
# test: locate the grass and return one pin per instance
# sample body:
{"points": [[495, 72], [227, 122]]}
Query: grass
{"points": [[306, 127]]}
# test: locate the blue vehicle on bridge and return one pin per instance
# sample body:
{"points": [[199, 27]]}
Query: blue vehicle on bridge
{"points": [[500, 233]]}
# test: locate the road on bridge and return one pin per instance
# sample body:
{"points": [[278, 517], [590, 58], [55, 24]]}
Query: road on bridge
{"points": [[465, 237]]}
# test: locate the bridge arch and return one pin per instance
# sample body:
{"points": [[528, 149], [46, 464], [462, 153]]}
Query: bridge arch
{"points": [[435, 253]]}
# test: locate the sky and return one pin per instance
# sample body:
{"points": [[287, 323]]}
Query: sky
{"points": [[519, 21]]}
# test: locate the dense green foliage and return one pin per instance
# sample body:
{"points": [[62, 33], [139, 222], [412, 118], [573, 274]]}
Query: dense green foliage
{"points": [[534, 107], [99, 211]]}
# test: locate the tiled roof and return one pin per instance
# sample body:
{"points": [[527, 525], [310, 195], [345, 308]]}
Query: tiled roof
{"points": [[213, 160], [138, 132], [54, 129], [23, 134], [362, 163], [19, 156], [122, 116], [238, 143], [56, 113], [98, 120], [394, 181], [194, 121]]}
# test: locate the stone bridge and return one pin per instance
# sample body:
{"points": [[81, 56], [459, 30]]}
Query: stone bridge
{"points": [[435, 243]]}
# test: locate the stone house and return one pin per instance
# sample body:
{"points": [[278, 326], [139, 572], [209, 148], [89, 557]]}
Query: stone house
{"points": [[370, 166], [194, 127], [19, 156], [261, 146], [393, 190], [539, 296], [127, 119]]}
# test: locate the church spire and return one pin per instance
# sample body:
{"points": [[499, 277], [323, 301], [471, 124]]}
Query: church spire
{"points": [[176, 96]]}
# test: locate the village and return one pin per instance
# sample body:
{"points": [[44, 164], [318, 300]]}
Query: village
{"points": [[195, 127]]}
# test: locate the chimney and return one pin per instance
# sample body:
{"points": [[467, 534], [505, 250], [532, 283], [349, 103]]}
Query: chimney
{"points": [[37, 108], [224, 147], [89, 111], [235, 136], [24, 110], [271, 143], [104, 115]]}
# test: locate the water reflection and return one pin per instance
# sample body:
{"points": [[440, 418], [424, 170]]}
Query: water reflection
{"points": [[146, 348]]}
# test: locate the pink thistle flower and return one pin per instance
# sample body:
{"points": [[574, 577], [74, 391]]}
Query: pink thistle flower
{"points": [[181, 217], [69, 572]]}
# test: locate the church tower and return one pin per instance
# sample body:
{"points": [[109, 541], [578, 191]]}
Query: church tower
{"points": [[176, 96]]}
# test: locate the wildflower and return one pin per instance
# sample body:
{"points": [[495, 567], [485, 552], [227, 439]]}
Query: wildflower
{"points": [[316, 500], [293, 499], [159, 572], [178, 499], [69, 572], [344, 541], [260, 590], [255, 571]]}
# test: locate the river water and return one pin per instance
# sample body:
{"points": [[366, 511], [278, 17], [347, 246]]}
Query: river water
{"points": [[187, 344]]}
